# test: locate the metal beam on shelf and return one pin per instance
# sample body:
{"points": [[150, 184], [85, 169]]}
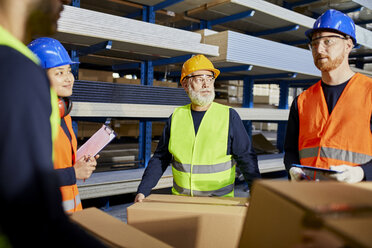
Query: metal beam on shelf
{"points": [[208, 24], [365, 3], [150, 10], [268, 15], [300, 83], [363, 22], [236, 68], [360, 55], [145, 127], [166, 61], [75, 3], [173, 60], [135, 14], [282, 125], [283, 104], [260, 77], [165, 4], [275, 30], [288, 5], [105, 45], [154, 111], [296, 42], [230, 18], [355, 9], [126, 66], [275, 75], [248, 83], [75, 67], [226, 78]]}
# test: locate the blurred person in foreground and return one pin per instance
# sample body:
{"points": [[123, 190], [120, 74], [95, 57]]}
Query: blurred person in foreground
{"points": [[31, 210]]}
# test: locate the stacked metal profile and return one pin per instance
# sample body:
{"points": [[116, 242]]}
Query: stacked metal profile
{"points": [[85, 27], [270, 57], [103, 92], [267, 16]]}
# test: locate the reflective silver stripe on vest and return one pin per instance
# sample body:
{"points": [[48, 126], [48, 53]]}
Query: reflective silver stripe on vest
{"points": [[353, 157], [71, 204], [334, 153], [203, 169], [219, 192], [309, 152]]}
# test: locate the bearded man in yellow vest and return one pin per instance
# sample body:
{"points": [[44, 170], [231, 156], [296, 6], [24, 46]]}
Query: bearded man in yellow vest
{"points": [[330, 124], [201, 140]]}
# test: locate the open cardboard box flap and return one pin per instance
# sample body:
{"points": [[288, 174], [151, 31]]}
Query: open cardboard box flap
{"points": [[184, 221], [112, 231], [226, 201]]}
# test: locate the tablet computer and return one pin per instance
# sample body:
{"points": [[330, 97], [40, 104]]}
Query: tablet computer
{"points": [[316, 168]]}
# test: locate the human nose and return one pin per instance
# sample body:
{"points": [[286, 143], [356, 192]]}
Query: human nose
{"points": [[69, 77], [319, 48]]}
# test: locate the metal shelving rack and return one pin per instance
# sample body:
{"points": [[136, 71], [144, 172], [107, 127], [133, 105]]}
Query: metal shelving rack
{"points": [[262, 20]]}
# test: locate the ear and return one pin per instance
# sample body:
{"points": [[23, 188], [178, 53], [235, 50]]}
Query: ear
{"points": [[349, 45], [185, 85]]}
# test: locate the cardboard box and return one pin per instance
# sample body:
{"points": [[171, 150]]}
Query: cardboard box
{"points": [[364, 185], [130, 128], [183, 221], [95, 75], [87, 129], [280, 210], [112, 231]]}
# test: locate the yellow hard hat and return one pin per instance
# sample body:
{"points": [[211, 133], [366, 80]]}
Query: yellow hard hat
{"points": [[196, 63]]}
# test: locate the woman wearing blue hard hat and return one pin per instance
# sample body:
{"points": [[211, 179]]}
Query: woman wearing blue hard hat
{"points": [[330, 124], [56, 61]]}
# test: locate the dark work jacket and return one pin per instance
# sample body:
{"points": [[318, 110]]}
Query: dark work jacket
{"points": [[31, 210]]}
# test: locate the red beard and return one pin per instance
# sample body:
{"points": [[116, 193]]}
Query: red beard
{"points": [[329, 64]]}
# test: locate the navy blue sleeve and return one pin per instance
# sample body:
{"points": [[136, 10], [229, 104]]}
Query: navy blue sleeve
{"points": [[158, 163], [29, 193], [367, 168], [66, 176], [291, 155], [240, 146]]}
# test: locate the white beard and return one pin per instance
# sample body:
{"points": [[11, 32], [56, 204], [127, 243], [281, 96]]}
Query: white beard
{"points": [[199, 100]]}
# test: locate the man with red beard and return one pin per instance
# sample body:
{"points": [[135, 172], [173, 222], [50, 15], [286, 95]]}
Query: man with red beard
{"points": [[31, 206], [330, 124], [202, 141]]}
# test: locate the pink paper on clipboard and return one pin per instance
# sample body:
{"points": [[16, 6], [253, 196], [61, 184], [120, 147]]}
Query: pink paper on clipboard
{"points": [[96, 143]]}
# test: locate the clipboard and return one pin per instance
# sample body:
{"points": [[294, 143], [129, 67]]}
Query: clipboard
{"points": [[316, 169], [96, 143]]}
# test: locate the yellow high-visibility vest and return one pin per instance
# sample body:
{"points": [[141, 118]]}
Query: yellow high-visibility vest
{"points": [[201, 166]]}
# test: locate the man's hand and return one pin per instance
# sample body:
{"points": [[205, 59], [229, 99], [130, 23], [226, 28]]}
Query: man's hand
{"points": [[297, 174], [139, 197], [85, 166], [349, 174]]}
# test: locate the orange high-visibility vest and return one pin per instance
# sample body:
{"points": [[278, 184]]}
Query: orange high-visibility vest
{"points": [[344, 137], [65, 151]]}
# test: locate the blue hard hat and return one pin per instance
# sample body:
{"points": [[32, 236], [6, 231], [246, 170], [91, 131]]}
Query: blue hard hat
{"points": [[50, 52], [334, 20]]}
